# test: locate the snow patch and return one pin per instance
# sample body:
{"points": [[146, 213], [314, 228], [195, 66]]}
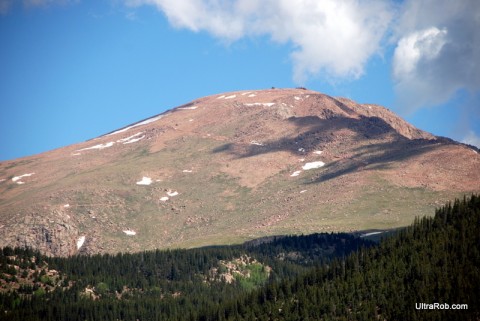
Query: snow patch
{"points": [[254, 142], [129, 232], [20, 183], [313, 165], [297, 98], [131, 139], [134, 140], [231, 96], [66, 205], [301, 159], [172, 193], [80, 242], [164, 199], [252, 95], [145, 181], [191, 119], [260, 104], [220, 97], [16, 178], [301, 150], [318, 152], [187, 171], [99, 146], [76, 154], [371, 233], [296, 173], [188, 108], [146, 121], [301, 192]]}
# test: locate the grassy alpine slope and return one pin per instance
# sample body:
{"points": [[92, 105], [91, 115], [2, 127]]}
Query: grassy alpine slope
{"points": [[434, 260]]}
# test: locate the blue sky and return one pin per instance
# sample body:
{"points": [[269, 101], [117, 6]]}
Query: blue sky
{"points": [[72, 70]]}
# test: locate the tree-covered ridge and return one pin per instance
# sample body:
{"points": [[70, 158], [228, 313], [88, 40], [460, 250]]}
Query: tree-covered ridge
{"points": [[436, 260], [160, 285]]}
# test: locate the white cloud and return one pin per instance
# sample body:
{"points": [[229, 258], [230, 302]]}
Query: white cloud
{"points": [[334, 38], [425, 44], [472, 139], [437, 43], [438, 51]]}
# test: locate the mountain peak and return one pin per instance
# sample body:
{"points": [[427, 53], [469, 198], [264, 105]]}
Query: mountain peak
{"points": [[231, 167]]}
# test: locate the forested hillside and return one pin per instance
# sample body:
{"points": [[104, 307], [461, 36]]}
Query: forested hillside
{"points": [[155, 285], [436, 260], [314, 277]]}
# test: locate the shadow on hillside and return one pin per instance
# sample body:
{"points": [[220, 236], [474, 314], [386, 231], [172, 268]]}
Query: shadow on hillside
{"points": [[376, 157], [378, 144]]}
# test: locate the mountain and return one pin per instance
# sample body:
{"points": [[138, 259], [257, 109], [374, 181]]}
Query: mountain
{"points": [[232, 167]]}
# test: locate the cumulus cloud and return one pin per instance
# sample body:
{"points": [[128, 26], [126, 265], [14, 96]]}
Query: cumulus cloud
{"points": [[419, 45], [332, 38], [472, 139], [436, 43], [437, 52]]}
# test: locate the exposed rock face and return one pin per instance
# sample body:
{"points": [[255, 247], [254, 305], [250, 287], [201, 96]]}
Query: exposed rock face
{"points": [[232, 167], [57, 240], [52, 234]]}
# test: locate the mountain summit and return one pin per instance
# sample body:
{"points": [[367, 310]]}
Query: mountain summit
{"points": [[231, 167]]}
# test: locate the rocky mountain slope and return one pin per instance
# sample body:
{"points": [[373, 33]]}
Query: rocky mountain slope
{"points": [[232, 167]]}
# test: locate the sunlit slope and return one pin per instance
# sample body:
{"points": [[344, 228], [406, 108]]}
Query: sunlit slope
{"points": [[231, 167]]}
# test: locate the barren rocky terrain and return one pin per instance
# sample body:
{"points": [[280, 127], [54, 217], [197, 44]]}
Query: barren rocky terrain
{"points": [[232, 167]]}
